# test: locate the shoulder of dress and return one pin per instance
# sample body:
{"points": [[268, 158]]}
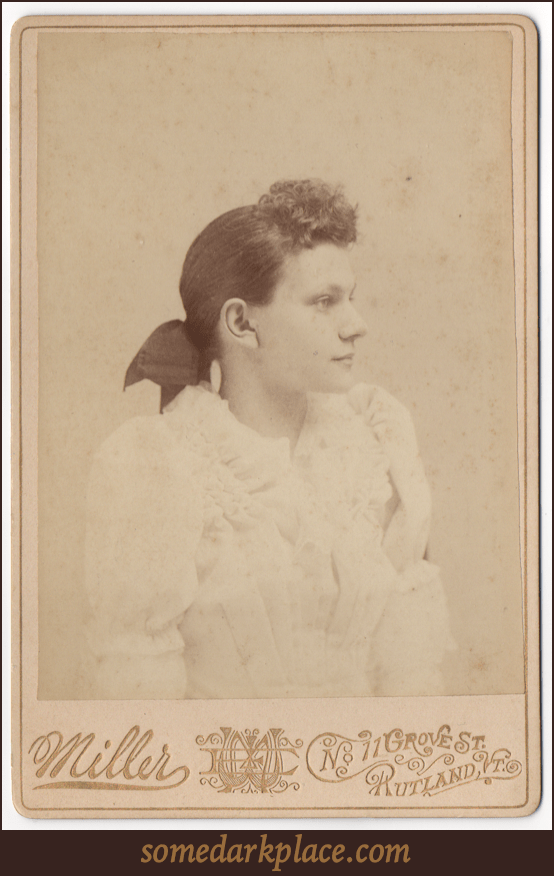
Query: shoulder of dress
{"points": [[161, 432], [355, 404], [148, 448], [361, 396], [139, 435], [375, 404], [344, 422], [142, 461]]}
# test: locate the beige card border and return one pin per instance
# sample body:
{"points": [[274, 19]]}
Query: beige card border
{"points": [[526, 307]]}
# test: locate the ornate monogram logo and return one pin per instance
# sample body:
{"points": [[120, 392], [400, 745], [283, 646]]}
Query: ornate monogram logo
{"points": [[243, 761]]}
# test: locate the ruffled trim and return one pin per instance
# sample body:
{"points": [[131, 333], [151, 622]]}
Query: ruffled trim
{"points": [[337, 458], [238, 466], [343, 454]]}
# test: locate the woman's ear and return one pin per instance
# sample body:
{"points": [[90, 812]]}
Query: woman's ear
{"points": [[234, 319]]}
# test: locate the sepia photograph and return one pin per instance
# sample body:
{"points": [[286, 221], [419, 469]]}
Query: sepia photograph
{"points": [[279, 392], [271, 533], [265, 535]]}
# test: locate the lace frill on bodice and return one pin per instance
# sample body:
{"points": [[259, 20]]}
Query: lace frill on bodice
{"points": [[262, 574]]}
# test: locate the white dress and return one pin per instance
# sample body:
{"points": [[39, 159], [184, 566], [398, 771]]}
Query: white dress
{"points": [[220, 567]]}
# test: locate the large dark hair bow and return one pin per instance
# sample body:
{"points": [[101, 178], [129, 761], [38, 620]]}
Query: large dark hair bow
{"points": [[167, 358]]}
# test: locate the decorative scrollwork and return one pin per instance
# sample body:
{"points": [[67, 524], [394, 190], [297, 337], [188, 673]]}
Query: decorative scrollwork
{"points": [[414, 761], [448, 759], [415, 764]]}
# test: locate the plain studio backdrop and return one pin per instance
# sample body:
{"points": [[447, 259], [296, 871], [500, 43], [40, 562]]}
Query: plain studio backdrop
{"points": [[144, 138]]}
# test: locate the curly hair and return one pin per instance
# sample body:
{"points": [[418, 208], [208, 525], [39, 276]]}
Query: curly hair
{"points": [[242, 253], [310, 211]]}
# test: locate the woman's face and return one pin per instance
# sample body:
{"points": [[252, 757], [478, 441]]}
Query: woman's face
{"points": [[306, 334]]}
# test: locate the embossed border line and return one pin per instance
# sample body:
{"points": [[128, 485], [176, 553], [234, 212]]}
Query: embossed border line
{"points": [[505, 24]]}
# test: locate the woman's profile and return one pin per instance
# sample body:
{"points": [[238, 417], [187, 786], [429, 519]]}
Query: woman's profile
{"points": [[265, 534]]}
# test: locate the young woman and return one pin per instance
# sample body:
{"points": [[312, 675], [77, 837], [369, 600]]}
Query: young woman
{"points": [[264, 536]]}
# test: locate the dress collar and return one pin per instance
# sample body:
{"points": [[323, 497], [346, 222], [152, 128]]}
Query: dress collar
{"points": [[331, 424], [199, 411]]}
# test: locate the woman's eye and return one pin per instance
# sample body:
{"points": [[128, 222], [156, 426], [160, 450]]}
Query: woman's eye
{"points": [[323, 303]]}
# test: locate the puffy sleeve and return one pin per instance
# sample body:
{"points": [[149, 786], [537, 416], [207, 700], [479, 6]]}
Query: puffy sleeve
{"points": [[407, 529], [413, 634], [144, 522]]}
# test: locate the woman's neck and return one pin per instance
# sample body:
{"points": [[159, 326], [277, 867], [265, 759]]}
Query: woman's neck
{"points": [[268, 412]]}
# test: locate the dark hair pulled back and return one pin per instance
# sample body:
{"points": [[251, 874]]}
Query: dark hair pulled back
{"points": [[241, 253]]}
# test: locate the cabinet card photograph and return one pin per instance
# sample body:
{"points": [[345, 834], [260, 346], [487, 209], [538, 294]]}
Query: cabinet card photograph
{"points": [[275, 416]]}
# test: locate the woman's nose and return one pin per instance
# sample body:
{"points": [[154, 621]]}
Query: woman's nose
{"points": [[353, 327]]}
